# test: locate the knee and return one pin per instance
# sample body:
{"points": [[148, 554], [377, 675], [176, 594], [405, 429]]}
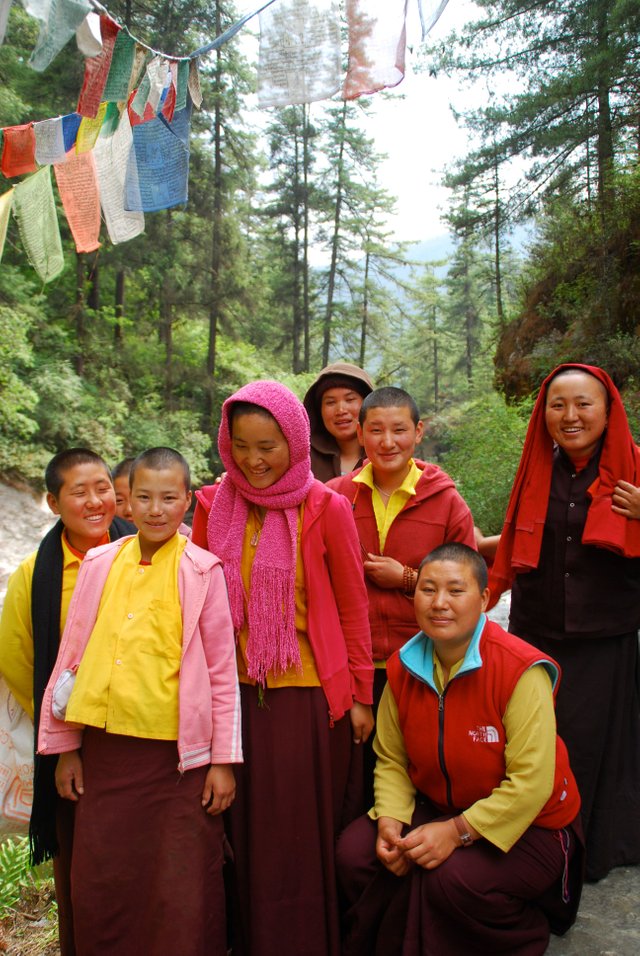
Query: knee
{"points": [[356, 860]]}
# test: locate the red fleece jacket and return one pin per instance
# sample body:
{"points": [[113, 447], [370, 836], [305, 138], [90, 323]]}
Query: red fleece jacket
{"points": [[436, 515]]}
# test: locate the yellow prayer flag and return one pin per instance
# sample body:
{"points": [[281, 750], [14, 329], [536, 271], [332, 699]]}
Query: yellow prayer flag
{"points": [[89, 130]]}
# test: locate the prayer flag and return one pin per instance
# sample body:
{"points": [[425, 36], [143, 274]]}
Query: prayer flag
{"points": [[6, 201], [49, 142], [111, 155], [377, 44], [5, 7], [89, 130], [18, 151], [182, 86], [194, 83], [111, 120], [158, 169], [59, 21], [117, 86], [96, 70], [35, 209], [78, 187], [70, 126], [88, 35], [300, 59]]}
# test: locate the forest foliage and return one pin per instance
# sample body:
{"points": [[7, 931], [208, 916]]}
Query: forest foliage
{"points": [[283, 260]]}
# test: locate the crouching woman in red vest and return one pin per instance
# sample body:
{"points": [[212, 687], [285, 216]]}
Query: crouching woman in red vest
{"points": [[473, 845]]}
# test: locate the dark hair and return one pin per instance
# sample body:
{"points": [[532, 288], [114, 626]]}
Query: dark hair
{"points": [[122, 469], [389, 397], [157, 459], [572, 371], [63, 461], [462, 554], [237, 409]]}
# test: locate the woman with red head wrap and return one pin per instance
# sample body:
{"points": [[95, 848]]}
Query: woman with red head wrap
{"points": [[573, 563]]}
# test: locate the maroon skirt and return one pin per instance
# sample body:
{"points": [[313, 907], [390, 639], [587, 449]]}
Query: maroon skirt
{"points": [[299, 785], [146, 873]]}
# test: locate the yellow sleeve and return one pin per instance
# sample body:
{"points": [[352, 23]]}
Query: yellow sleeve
{"points": [[530, 759], [393, 789], [16, 635]]}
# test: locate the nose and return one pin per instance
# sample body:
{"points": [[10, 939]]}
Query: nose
{"points": [[93, 499], [155, 506], [388, 439], [440, 599], [254, 457], [570, 412]]}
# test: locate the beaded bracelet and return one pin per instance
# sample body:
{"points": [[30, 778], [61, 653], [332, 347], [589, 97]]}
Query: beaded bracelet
{"points": [[408, 583]]}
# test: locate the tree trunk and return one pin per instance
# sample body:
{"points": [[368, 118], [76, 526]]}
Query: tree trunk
{"points": [[216, 255], [326, 343], [365, 311]]}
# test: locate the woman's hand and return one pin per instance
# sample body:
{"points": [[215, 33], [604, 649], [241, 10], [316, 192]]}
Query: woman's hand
{"points": [[69, 775], [430, 844], [626, 500], [361, 721], [219, 789], [387, 850], [384, 571]]}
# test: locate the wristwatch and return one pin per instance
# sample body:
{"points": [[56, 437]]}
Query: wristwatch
{"points": [[465, 836]]}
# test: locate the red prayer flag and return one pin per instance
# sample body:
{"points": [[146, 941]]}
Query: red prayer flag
{"points": [[18, 151], [96, 70]]}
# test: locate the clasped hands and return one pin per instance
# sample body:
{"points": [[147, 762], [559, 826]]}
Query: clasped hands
{"points": [[427, 845]]}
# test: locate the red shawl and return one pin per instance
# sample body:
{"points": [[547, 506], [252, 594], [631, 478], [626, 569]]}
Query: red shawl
{"points": [[519, 549]]}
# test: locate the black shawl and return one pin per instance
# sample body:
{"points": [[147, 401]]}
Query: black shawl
{"points": [[46, 600]]}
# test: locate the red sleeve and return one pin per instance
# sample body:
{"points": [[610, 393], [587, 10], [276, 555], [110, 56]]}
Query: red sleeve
{"points": [[204, 498]]}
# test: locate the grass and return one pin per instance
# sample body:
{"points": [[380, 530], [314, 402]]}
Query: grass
{"points": [[28, 912]]}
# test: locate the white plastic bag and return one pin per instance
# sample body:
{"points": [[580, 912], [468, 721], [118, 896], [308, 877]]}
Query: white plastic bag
{"points": [[16, 764]]}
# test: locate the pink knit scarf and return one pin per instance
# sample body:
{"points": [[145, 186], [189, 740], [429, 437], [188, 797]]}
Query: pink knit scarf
{"points": [[272, 643]]}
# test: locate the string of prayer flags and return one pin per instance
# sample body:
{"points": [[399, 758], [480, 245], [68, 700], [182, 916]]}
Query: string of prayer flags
{"points": [[376, 47], [96, 70], [49, 142], [300, 59], [89, 130], [158, 168], [35, 210], [111, 155], [88, 35], [18, 151], [59, 20], [6, 202], [78, 187], [117, 86]]}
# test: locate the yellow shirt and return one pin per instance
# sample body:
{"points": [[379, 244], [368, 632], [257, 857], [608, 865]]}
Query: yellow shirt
{"points": [[291, 678], [386, 516], [530, 760], [127, 681], [16, 629]]}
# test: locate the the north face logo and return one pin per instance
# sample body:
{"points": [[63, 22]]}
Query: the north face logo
{"points": [[485, 735]]}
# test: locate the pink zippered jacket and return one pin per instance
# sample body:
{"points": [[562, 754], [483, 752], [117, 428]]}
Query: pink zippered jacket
{"points": [[337, 608], [209, 727]]}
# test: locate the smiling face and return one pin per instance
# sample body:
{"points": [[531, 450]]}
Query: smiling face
{"points": [[448, 603], [340, 408], [576, 412], [389, 436], [86, 503], [259, 449], [159, 502]]}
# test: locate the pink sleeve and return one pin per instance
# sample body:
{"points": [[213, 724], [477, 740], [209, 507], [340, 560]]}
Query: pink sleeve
{"points": [[220, 653]]}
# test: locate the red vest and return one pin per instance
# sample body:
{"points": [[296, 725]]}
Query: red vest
{"points": [[456, 742]]}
